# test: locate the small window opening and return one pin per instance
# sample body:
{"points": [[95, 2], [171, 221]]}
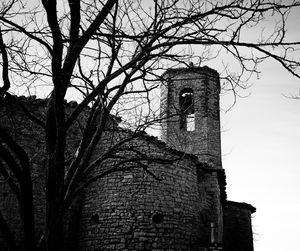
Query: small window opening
{"points": [[190, 122], [157, 218], [187, 111], [94, 219]]}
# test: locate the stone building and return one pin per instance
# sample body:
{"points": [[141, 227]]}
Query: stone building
{"points": [[175, 199]]}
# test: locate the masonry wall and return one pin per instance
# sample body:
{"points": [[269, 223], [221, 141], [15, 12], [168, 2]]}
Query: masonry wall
{"points": [[31, 138], [238, 234], [128, 209], [163, 199], [204, 141], [214, 212], [132, 210]]}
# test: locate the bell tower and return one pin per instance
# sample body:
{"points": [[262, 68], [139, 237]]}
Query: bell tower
{"points": [[190, 112]]}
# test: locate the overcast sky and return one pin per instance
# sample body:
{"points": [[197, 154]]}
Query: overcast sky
{"points": [[261, 155], [261, 143]]}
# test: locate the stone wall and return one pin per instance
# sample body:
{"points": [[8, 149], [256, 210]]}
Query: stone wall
{"points": [[160, 198], [129, 208], [204, 141], [132, 210], [31, 138], [238, 234]]}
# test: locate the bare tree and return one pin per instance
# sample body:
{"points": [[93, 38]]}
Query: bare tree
{"points": [[106, 53]]}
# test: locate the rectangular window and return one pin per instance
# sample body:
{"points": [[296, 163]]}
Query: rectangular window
{"points": [[190, 122]]}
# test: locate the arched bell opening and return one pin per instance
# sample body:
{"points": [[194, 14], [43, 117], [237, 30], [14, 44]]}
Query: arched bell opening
{"points": [[187, 111]]}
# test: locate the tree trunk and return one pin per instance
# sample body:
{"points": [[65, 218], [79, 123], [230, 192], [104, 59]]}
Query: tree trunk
{"points": [[7, 234], [56, 141]]}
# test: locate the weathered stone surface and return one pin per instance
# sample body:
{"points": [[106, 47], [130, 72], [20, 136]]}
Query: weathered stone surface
{"points": [[238, 234], [204, 141], [164, 201], [145, 213]]}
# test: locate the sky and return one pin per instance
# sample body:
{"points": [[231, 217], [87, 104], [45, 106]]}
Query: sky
{"points": [[261, 156], [261, 153]]}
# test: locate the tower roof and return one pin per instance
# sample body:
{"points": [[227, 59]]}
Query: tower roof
{"points": [[191, 69]]}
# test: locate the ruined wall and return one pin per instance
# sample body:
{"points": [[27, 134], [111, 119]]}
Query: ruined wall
{"points": [[238, 234], [216, 192], [31, 138], [146, 203], [204, 141], [131, 210], [127, 209]]}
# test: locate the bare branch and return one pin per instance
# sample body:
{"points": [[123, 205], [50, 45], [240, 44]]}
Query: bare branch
{"points": [[6, 82]]}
